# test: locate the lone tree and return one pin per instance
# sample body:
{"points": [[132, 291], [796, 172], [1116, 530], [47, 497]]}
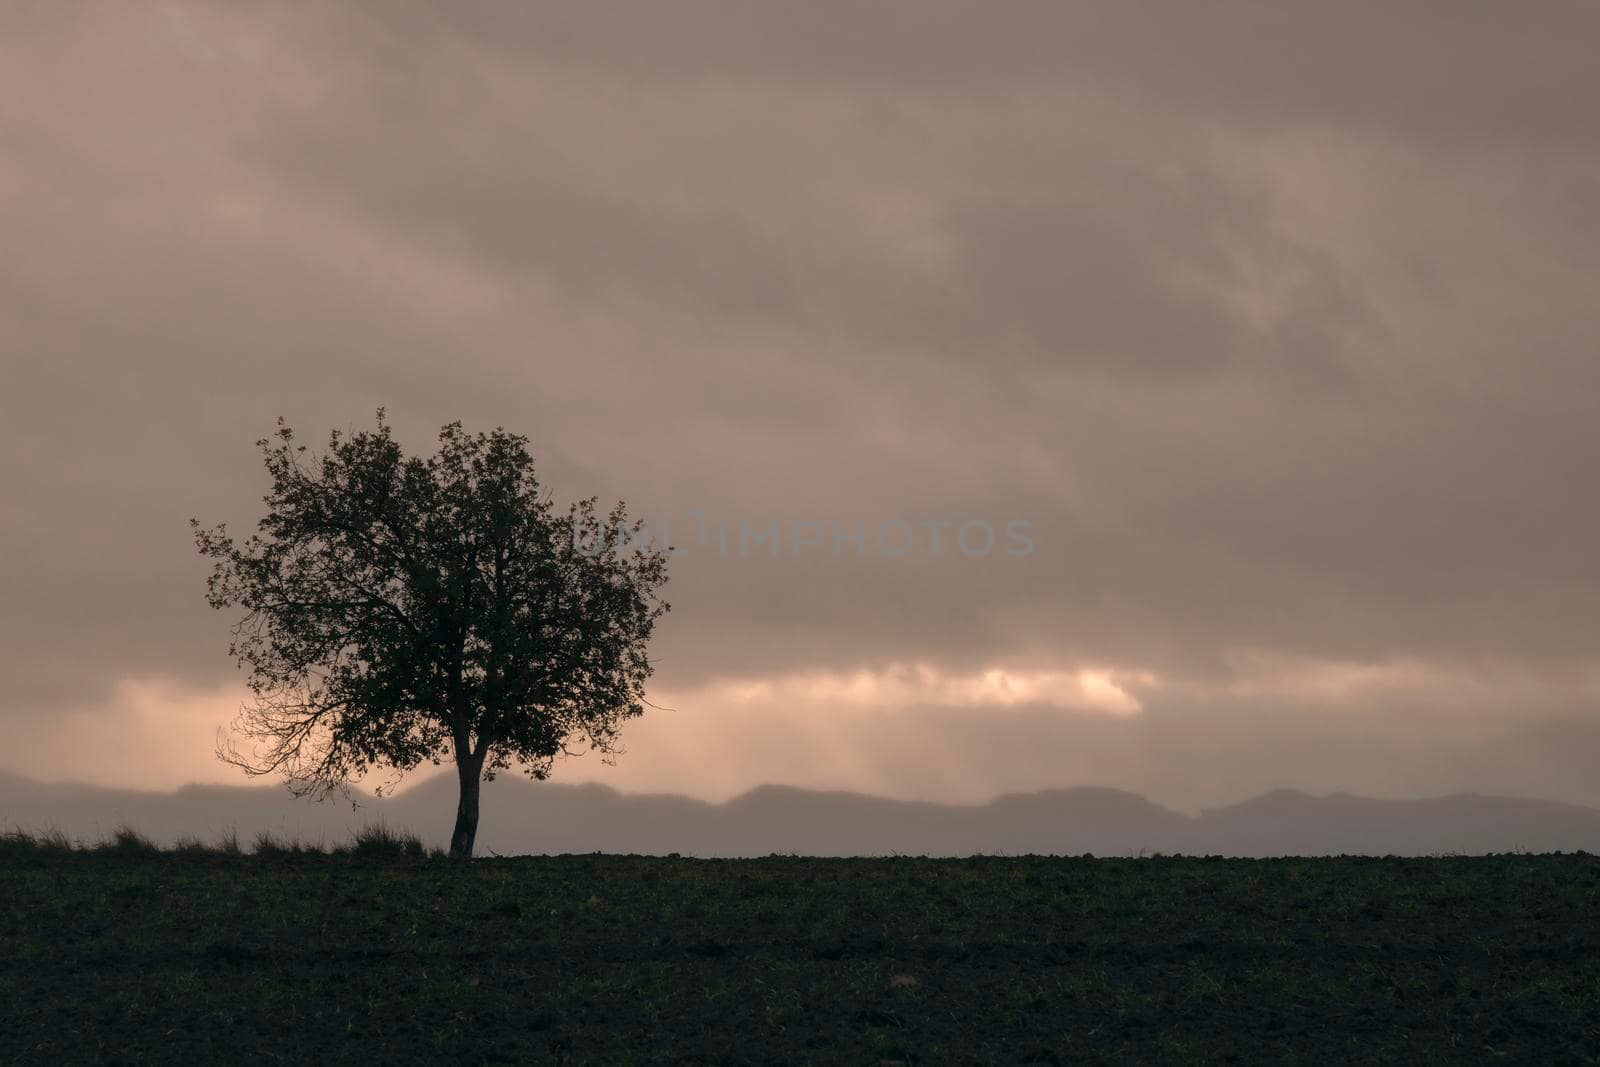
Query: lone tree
{"points": [[402, 609]]}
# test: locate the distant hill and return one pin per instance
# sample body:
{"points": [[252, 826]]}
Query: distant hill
{"points": [[521, 817]]}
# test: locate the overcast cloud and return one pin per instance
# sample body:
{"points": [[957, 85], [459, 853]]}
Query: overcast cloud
{"points": [[1277, 327]]}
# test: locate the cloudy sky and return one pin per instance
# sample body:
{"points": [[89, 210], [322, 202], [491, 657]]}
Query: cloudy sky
{"points": [[1273, 325]]}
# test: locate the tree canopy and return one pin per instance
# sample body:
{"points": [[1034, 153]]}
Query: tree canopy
{"points": [[402, 610]]}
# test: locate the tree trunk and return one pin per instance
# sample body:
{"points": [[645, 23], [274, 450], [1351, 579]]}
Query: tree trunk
{"points": [[466, 832]]}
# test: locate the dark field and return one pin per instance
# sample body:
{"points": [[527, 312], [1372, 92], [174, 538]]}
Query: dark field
{"points": [[126, 954]]}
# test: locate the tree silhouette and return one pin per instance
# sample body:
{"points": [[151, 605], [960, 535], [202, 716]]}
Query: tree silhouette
{"points": [[402, 610]]}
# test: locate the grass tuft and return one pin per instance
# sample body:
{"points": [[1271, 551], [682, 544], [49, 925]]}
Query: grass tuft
{"points": [[270, 845], [189, 845], [377, 841], [20, 844], [128, 841]]}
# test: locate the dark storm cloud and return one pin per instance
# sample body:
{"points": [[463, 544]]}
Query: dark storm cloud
{"points": [[1047, 257], [1463, 73], [1276, 324]]}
